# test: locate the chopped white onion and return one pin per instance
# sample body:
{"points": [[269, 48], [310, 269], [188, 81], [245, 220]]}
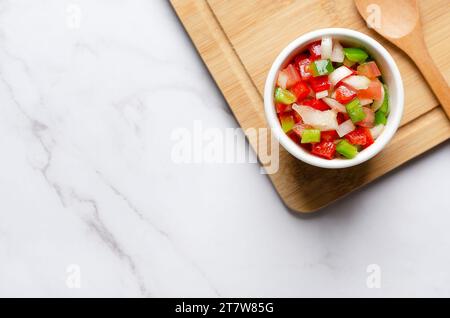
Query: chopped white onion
{"points": [[357, 81], [337, 55], [365, 101], [377, 103], [335, 105], [298, 128], [282, 80], [323, 120], [346, 127], [326, 47], [339, 74], [321, 94], [376, 131]]}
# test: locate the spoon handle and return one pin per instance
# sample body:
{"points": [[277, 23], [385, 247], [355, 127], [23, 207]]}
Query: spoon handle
{"points": [[433, 76]]}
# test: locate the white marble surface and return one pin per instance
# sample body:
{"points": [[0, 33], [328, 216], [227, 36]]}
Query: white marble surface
{"points": [[89, 93]]}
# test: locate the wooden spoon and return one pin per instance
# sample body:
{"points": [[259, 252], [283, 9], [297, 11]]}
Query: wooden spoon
{"points": [[399, 22]]}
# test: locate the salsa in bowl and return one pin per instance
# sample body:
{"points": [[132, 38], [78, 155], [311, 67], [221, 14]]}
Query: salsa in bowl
{"points": [[334, 98]]}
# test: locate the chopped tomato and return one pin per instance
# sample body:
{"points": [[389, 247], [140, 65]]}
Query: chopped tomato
{"points": [[319, 83], [301, 90], [298, 58], [316, 104], [369, 137], [330, 135], [369, 120], [344, 94], [297, 118], [324, 149], [369, 69], [288, 77], [281, 108], [303, 66], [360, 136], [356, 137], [295, 138], [374, 91], [306, 146], [341, 117], [315, 50]]}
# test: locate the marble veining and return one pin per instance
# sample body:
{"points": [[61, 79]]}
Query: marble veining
{"points": [[92, 205]]}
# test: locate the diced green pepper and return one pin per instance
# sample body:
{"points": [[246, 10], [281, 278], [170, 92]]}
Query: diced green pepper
{"points": [[284, 96], [380, 118], [310, 135], [321, 67], [287, 126], [355, 54], [287, 123], [346, 149], [355, 111], [384, 108]]}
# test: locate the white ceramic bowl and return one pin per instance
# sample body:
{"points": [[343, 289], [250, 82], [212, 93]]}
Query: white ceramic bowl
{"points": [[389, 72]]}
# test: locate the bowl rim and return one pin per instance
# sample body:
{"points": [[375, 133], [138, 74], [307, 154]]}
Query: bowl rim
{"points": [[395, 112]]}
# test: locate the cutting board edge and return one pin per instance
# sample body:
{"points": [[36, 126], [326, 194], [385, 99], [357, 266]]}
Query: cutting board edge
{"points": [[445, 136], [179, 6]]}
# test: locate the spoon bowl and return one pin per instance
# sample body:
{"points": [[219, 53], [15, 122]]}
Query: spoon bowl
{"points": [[399, 22]]}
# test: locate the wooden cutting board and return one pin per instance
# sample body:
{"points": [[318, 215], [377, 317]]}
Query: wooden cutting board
{"points": [[238, 40]]}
